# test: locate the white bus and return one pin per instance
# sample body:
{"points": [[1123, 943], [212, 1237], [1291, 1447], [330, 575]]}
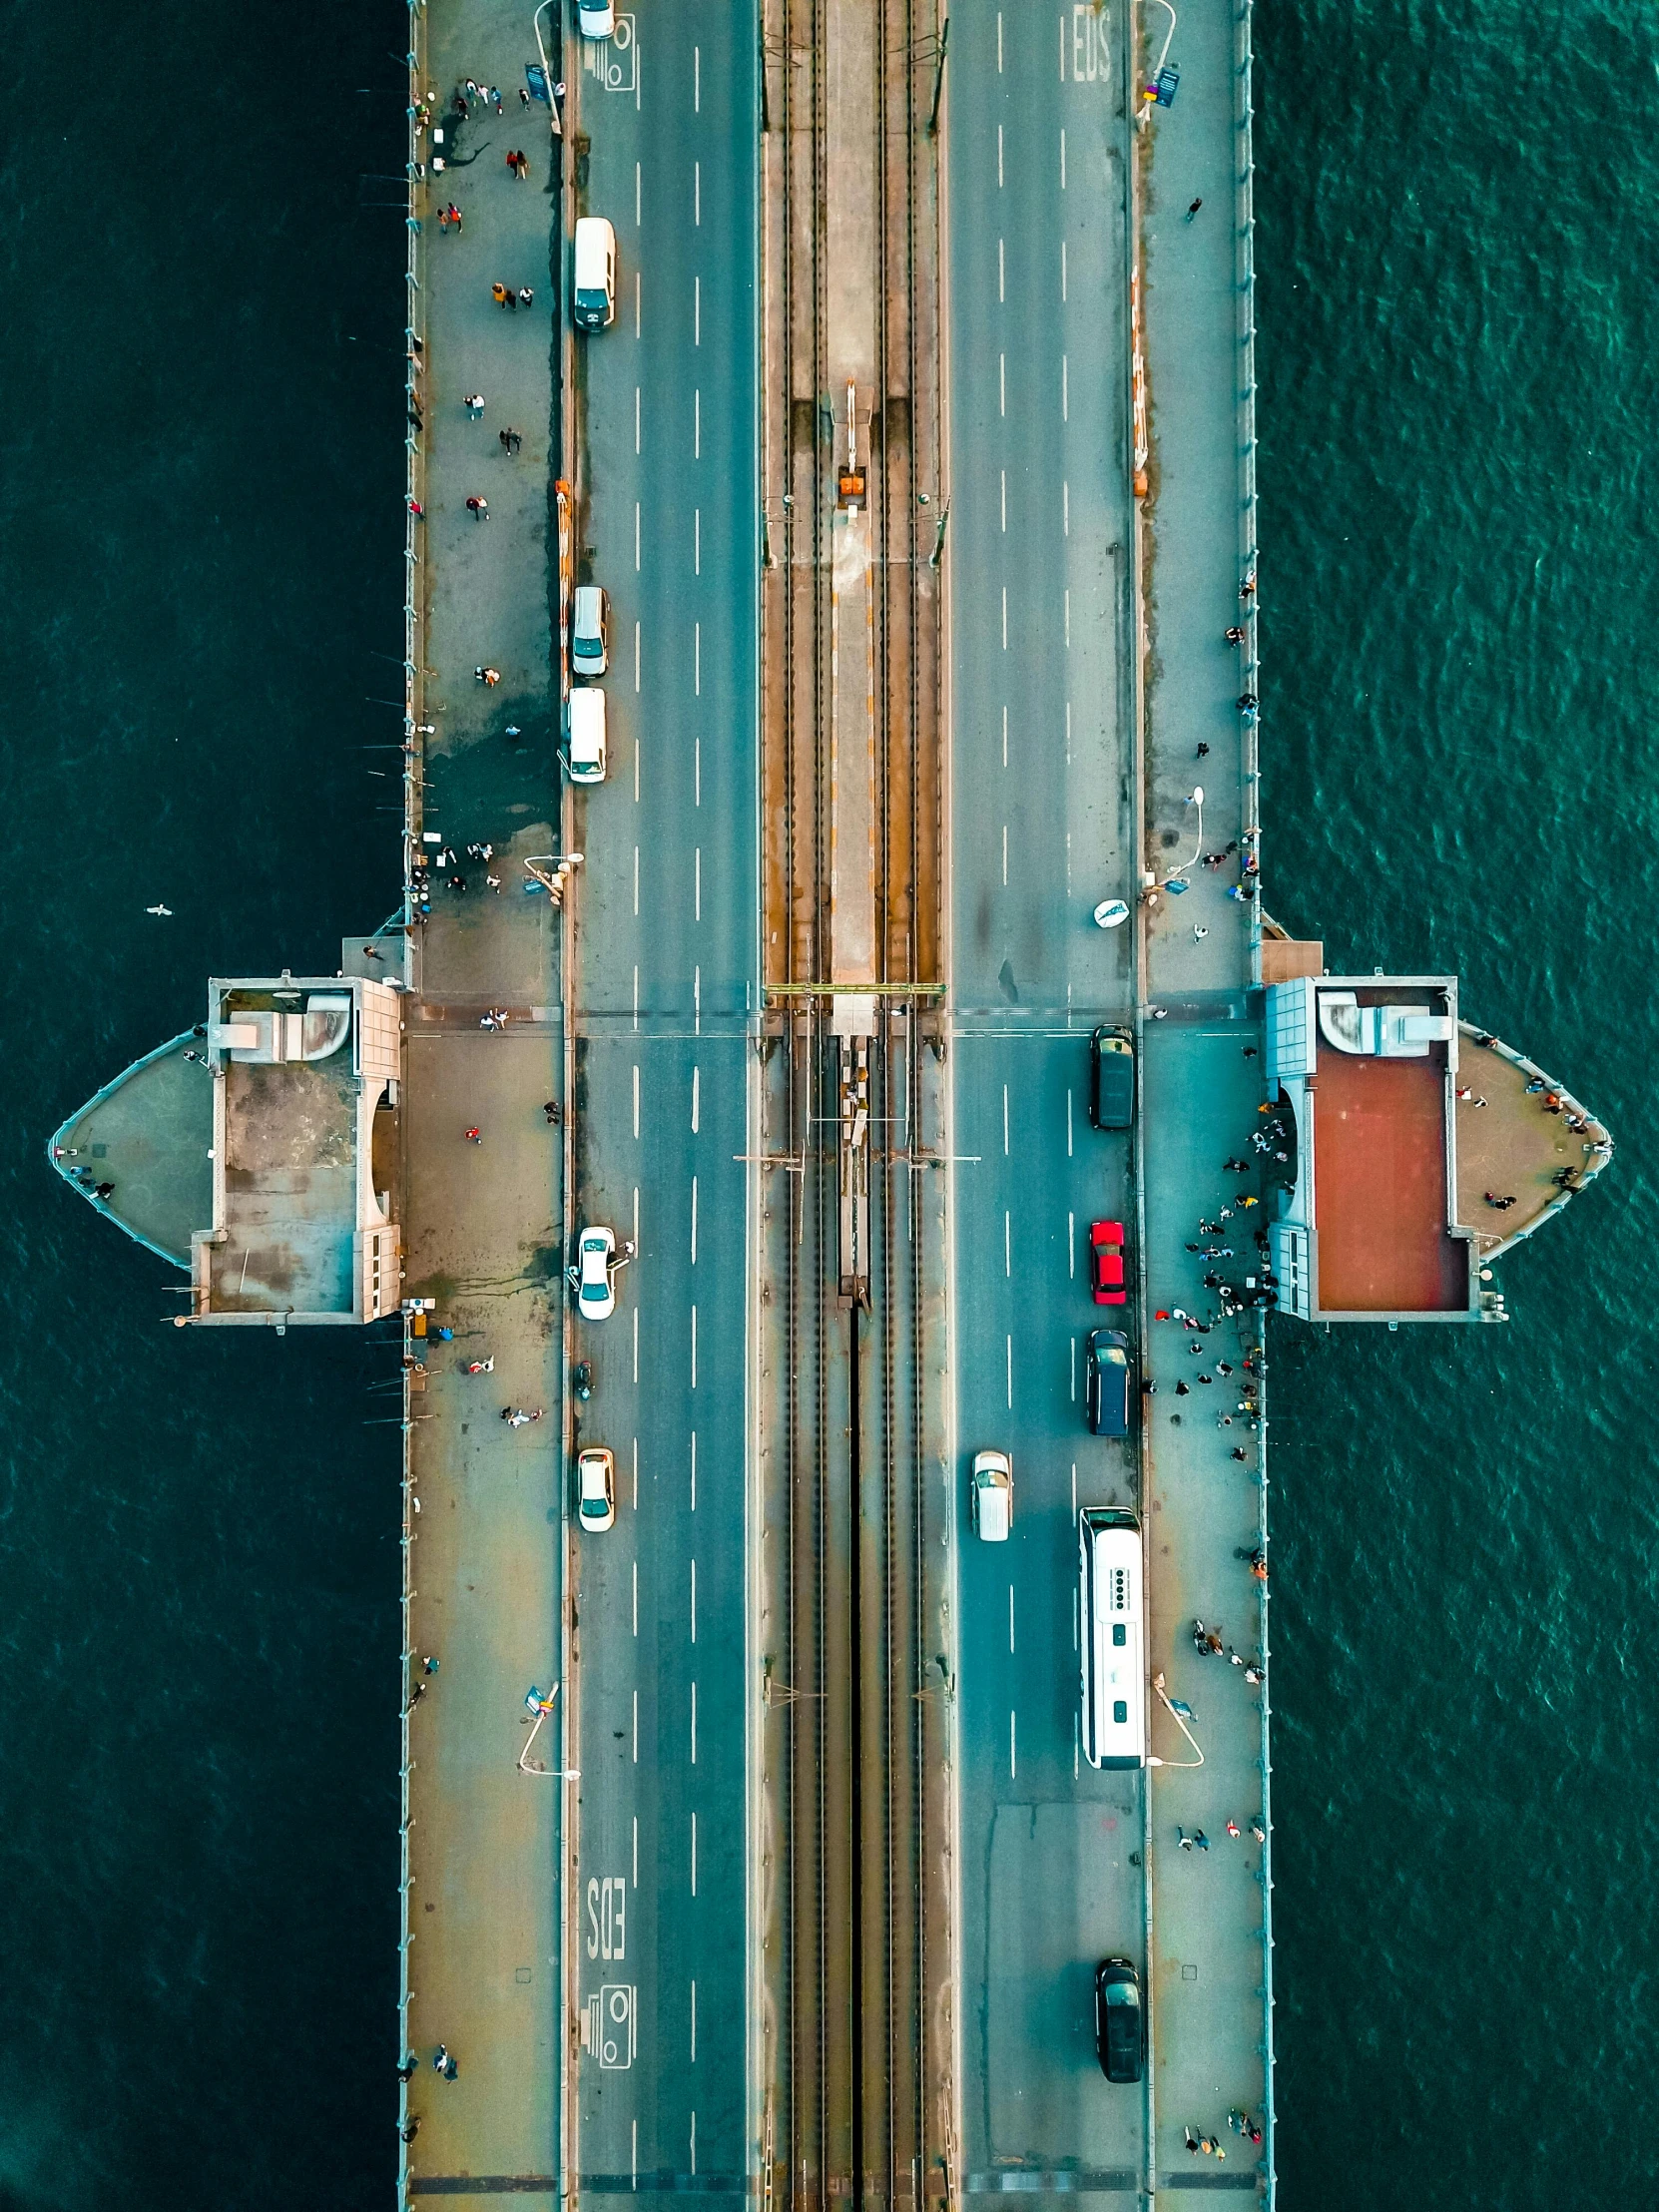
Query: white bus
{"points": [[1110, 1638]]}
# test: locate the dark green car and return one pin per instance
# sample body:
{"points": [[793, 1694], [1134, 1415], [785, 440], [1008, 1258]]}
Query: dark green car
{"points": [[1111, 1079]]}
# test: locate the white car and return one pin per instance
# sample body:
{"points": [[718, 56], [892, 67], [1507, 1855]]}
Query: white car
{"points": [[991, 1496], [596, 1487], [594, 18], [597, 1262], [586, 757], [589, 622]]}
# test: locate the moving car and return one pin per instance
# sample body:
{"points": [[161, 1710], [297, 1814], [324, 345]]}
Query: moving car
{"points": [[589, 1278], [1107, 1377], [594, 18], [991, 1496], [586, 757], [1119, 2021], [589, 622], [1106, 1262], [1111, 1079], [593, 293], [596, 1487]]}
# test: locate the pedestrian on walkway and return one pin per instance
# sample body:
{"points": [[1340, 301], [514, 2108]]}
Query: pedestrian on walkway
{"points": [[1247, 701], [1247, 588], [488, 676], [501, 296], [505, 439], [1239, 1453], [554, 1116], [430, 1666], [481, 1366], [409, 2069], [523, 96], [1200, 1838], [495, 98], [476, 403], [478, 507], [474, 1136], [410, 2128], [1192, 2140], [1199, 933], [1192, 210], [1233, 1828], [1185, 1843], [1235, 635], [526, 297]]}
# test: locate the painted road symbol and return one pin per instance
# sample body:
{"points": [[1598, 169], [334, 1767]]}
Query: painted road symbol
{"points": [[608, 2026], [1091, 58], [614, 61], [608, 1919]]}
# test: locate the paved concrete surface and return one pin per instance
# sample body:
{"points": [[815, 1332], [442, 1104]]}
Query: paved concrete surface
{"points": [[484, 1225], [1042, 828], [1200, 1092], [148, 1133], [664, 961]]}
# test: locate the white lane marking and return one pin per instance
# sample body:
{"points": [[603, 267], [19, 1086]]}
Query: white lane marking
{"points": [[1004, 855], [636, 303], [636, 1597], [693, 1348], [1010, 1616], [1062, 160], [1007, 1244], [636, 1101], [636, 1474], [1069, 701], [1065, 388], [1071, 1246], [999, 156], [636, 537], [697, 541], [1068, 618], [1076, 1738], [696, 762], [999, 42], [1002, 272], [1062, 49], [1068, 1124], [1068, 846], [694, 1471], [697, 424], [697, 1001], [636, 1217], [1065, 510], [636, 993], [1004, 618], [694, 1816], [697, 1092], [1072, 1348], [697, 664], [694, 1761], [694, 2023], [697, 885], [1062, 271], [696, 193], [634, 2155], [1004, 499], [635, 657], [694, 1223], [636, 881], [636, 418], [636, 1851], [694, 1601], [693, 2140], [1005, 1121], [1005, 737], [639, 750], [1002, 383], [636, 1728], [1013, 1762], [636, 195], [636, 1344], [697, 311], [1010, 1342], [1074, 1517], [697, 80]]}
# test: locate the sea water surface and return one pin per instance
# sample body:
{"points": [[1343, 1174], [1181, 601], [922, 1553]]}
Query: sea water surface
{"points": [[201, 568], [1458, 364]]}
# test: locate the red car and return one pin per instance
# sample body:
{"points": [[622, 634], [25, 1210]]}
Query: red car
{"points": [[1106, 1262]]}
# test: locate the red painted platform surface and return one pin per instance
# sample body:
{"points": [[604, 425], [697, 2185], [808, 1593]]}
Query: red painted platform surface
{"points": [[1381, 1187]]}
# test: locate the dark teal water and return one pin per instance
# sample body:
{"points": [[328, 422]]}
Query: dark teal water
{"points": [[200, 555], [1458, 337]]}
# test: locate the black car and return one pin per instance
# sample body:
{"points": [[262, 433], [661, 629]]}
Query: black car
{"points": [[1108, 1377], [1119, 2021], [1111, 1079]]}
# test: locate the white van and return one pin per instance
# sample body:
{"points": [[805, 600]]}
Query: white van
{"points": [[991, 1496], [588, 624], [593, 293], [587, 737]]}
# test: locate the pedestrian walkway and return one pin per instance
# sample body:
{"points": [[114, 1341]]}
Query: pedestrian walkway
{"points": [[484, 1226], [1202, 1086]]}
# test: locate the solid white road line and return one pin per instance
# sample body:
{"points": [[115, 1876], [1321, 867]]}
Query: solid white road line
{"points": [[636, 658], [1005, 1121], [693, 1348], [1002, 383], [694, 1221], [1007, 1244], [1062, 160], [697, 80], [1062, 271], [696, 425], [636, 1728], [694, 2023], [999, 156], [697, 541], [697, 1087], [636, 537], [1065, 390], [1013, 1762], [1065, 510], [694, 1471], [697, 883], [636, 195], [636, 1597], [636, 418], [1011, 1342], [1002, 272], [1068, 1124], [694, 1761], [696, 193], [1071, 1246], [694, 1816], [636, 881], [1010, 1616], [694, 1601], [697, 311], [636, 1101]]}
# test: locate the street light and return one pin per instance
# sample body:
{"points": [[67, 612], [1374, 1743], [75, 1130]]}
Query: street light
{"points": [[1177, 877], [542, 1705], [552, 870]]}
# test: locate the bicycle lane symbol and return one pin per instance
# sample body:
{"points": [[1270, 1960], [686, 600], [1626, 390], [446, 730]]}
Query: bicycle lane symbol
{"points": [[615, 60]]}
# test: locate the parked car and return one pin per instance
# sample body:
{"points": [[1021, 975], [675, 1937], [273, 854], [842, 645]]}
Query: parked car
{"points": [[593, 293], [1119, 2021], [594, 18], [593, 1274], [589, 622], [991, 1496], [1111, 1079], [596, 1487], [586, 757], [1108, 1375], [1106, 1262]]}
